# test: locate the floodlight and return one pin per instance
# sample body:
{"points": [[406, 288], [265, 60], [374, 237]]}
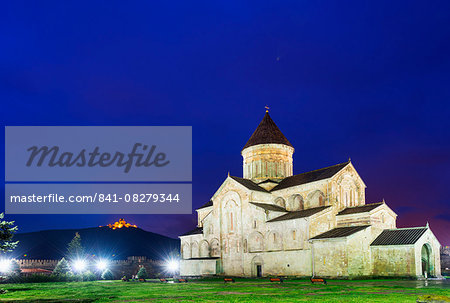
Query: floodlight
{"points": [[102, 265], [5, 265], [172, 265], [79, 265]]}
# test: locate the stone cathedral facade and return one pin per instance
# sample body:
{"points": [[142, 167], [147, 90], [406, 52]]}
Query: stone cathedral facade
{"points": [[274, 223]]}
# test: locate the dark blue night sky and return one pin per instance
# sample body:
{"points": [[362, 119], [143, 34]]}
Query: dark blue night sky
{"points": [[343, 79]]}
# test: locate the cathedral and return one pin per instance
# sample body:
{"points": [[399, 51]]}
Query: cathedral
{"points": [[271, 222]]}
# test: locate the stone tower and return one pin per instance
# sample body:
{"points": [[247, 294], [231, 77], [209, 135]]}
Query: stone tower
{"points": [[267, 154]]}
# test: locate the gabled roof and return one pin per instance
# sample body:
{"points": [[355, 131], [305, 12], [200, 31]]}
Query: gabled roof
{"points": [[271, 207], [249, 184], [399, 236], [315, 175], [268, 181], [267, 132], [195, 231], [340, 232], [207, 204], [299, 214], [360, 209]]}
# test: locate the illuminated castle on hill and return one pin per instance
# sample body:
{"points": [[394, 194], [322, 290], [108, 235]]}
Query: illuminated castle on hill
{"points": [[119, 224]]}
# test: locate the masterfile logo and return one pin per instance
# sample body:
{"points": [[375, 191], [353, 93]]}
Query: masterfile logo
{"points": [[98, 170]]}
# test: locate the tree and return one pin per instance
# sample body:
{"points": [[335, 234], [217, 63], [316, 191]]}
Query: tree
{"points": [[74, 249], [7, 230], [62, 268], [107, 275], [142, 273]]}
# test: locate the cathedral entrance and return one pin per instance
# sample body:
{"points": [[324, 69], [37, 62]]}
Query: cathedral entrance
{"points": [[257, 267], [258, 271], [427, 264]]}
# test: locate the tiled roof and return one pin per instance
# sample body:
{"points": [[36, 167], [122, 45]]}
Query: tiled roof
{"points": [[399, 236], [340, 232], [195, 231], [35, 271], [267, 132], [271, 207], [360, 209], [207, 204], [311, 176], [299, 214], [249, 184]]}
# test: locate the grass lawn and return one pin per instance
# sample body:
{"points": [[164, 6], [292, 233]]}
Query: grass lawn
{"points": [[214, 290]]}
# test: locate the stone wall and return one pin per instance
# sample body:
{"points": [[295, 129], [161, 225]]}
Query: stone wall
{"points": [[192, 267], [359, 258], [393, 260], [330, 258], [279, 263], [34, 263]]}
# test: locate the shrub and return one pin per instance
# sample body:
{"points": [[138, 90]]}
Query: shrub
{"points": [[89, 276], [142, 273], [37, 278], [107, 275]]}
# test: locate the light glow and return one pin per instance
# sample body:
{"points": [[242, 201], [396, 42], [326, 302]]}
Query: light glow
{"points": [[172, 265], [5, 265], [102, 265]]}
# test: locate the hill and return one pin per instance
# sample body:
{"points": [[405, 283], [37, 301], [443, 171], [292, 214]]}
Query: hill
{"points": [[101, 241]]}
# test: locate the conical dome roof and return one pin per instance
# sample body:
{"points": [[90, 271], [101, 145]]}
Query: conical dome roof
{"points": [[267, 132]]}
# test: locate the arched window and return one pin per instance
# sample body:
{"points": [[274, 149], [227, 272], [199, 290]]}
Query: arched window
{"points": [[204, 249], [280, 202], [295, 203], [231, 222], [186, 251], [215, 248], [195, 251], [316, 198]]}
